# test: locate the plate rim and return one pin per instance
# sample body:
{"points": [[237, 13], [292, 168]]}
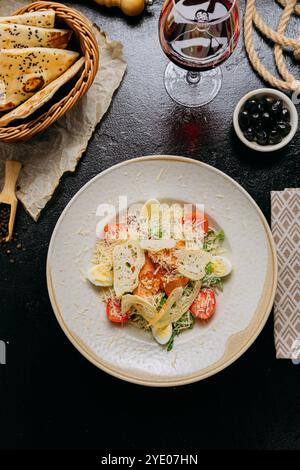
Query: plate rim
{"points": [[227, 359]]}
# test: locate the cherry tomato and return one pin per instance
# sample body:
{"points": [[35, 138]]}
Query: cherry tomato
{"points": [[114, 313], [113, 231], [197, 217], [204, 306]]}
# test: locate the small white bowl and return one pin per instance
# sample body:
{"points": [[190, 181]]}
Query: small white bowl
{"points": [[287, 104]]}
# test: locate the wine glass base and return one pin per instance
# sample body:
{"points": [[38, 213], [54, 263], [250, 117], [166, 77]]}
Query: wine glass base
{"points": [[194, 91]]}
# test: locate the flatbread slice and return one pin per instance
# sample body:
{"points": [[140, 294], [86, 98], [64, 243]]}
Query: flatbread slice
{"points": [[141, 304], [128, 260], [18, 36], [179, 308], [41, 97], [43, 19], [23, 72], [192, 263], [173, 300]]}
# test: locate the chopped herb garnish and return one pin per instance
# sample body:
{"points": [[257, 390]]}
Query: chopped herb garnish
{"points": [[186, 322], [212, 239], [188, 289], [161, 298], [212, 281], [221, 235], [170, 343], [209, 268]]}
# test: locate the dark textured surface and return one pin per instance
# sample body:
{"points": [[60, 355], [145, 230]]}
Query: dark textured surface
{"points": [[51, 397]]}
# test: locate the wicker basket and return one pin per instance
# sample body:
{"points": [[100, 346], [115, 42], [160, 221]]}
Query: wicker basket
{"points": [[89, 48]]}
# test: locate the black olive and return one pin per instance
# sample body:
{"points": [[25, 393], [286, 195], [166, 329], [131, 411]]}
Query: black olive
{"points": [[274, 137], [266, 120], [254, 119], [262, 137], [244, 120], [276, 109], [249, 134], [284, 128], [251, 105], [259, 126], [267, 103], [285, 115], [260, 107]]}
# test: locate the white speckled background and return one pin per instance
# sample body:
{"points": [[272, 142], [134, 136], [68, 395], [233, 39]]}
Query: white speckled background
{"points": [[126, 348]]}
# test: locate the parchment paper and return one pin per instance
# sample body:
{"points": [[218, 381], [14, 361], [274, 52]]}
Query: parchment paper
{"points": [[46, 157]]}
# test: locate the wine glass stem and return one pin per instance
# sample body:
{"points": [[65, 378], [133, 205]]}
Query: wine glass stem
{"points": [[193, 78]]}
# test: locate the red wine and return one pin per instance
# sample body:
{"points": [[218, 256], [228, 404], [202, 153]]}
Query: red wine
{"points": [[199, 34]]}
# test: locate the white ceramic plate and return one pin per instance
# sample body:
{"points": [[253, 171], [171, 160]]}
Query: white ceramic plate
{"points": [[243, 308]]}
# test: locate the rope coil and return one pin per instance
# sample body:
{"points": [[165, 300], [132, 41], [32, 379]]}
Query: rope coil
{"points": [[287, 82]]}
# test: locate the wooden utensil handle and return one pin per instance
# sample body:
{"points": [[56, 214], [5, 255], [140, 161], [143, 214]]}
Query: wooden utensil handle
{"points": [[12, 170], [129, 7]]}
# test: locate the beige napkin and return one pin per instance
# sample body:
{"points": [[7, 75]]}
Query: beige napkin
{"points": [[286, 232], [49, 155]]}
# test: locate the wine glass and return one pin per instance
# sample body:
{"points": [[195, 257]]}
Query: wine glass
{"points": [[197, 36]]}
